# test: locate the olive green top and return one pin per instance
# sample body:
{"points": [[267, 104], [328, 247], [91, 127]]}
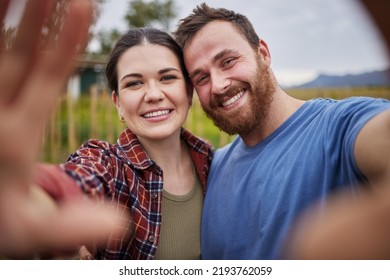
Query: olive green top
{"points": [[180, 226]]}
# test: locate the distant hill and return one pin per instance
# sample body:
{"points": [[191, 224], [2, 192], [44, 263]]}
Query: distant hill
{"points": [[375, 78]]}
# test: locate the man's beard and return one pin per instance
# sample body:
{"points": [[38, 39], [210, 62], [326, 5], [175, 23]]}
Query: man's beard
{"points": [[260, 97]]}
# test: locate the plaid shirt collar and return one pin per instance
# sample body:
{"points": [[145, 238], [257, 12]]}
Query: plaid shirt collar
{"points": [[201, 152], [130, 145], [132, 148]]}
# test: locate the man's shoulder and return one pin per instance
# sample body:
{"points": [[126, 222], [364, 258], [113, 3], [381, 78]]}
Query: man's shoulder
{"points": [[228, 147], [356, 101], [333, 109]]}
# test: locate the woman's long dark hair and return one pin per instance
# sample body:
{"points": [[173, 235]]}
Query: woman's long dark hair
{"points": [[141, 36]]}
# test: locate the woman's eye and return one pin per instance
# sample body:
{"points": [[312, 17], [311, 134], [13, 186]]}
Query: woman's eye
{"points": [[133, 83], [168, 77]]}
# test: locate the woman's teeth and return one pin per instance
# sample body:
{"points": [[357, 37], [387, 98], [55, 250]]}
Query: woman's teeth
{"points": [[156, 114]]}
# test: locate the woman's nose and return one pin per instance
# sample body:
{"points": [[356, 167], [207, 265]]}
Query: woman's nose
{"points": [[153, 93]]}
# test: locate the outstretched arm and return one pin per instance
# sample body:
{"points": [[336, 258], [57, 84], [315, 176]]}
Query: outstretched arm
{"points": [[355, 229], [33, 73]]}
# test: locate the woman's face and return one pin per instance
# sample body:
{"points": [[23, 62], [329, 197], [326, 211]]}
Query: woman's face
{"points": [[152, 95]]}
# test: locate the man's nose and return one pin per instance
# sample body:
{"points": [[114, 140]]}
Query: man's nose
{"points": [[219, 83]]}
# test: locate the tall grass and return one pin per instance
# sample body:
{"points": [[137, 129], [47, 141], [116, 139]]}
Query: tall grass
{"points": [[94, 115], [340, 93]]}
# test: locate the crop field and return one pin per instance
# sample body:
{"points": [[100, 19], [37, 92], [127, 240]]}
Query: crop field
{"points": [[93, 115]]}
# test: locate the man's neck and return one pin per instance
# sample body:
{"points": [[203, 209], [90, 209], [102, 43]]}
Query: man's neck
{"points": [[282, 107]]}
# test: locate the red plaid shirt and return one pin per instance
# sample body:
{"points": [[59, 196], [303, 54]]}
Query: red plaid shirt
{"points": [[125, 174]]}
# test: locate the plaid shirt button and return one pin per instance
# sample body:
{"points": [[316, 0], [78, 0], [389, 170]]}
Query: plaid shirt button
{"points": [[154, 195], [151, 238]]}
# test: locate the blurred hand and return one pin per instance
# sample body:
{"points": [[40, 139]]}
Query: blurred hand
{"points": [[348, 229], [33, 73], [85, 254]]}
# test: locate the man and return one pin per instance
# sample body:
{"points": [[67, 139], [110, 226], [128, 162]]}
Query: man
{"points": [[289, 153]]}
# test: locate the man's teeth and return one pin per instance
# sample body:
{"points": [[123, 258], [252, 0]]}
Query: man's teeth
{"points": [[156, 114], [233, 99]]}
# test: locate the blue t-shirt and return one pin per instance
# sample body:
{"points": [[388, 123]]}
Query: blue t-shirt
{"points": [[255, 193]]}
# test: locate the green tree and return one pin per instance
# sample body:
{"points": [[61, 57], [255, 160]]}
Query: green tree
{"points": [[155, 12], [141, 13], [107, 39]]}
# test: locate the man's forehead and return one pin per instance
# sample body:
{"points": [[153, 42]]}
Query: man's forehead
{"points": [[214, 29], [212, 36]]}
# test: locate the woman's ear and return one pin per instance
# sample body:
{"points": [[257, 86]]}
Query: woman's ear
{"points": [[115, 100]]}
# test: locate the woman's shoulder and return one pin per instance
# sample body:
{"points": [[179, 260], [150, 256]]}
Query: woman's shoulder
{"points": [[197, 143]]}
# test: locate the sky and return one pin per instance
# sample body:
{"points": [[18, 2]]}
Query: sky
{"points": [[305, 37]]}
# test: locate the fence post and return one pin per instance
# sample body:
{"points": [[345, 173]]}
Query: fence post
{"points": [[71, 124], [93, 100]]}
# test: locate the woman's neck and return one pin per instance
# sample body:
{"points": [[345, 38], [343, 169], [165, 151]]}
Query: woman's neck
{"points": [[174, 158], [163, 151]]}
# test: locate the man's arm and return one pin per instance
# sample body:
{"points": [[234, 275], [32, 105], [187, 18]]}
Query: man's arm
{"points": [[355, 229], [372, 148]]}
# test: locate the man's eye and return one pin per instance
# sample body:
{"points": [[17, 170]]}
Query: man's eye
{"points": [[227, 62], [202, 80]]}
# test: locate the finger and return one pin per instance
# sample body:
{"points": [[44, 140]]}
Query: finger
{"points": [[30, 27], [16, 63], [56, 66], [39, 230], [48, 78], [354, 228], [4, 4], [73, 36], [79, 223], [27, 205], [85, 254]]}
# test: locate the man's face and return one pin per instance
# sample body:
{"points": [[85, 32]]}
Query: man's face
{"points": [[231, 78]]}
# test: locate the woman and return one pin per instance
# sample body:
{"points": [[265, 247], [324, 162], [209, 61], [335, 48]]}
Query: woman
{"points": [[157, 170]]}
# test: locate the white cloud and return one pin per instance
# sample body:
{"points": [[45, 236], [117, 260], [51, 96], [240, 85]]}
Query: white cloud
{"points": [[294, 77], [304, 36]]}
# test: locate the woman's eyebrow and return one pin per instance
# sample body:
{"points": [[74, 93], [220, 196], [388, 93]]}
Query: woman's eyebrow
{"points": [[135, 75], [162, 71]]}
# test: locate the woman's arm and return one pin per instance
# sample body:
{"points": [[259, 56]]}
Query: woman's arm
{"points": [[32, 76]]}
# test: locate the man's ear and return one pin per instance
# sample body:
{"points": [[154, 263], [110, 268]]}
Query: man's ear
{"points": [[264, 52]]}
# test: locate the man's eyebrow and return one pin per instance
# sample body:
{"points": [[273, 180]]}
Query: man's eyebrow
{"points": [[216, 57], [221, 54], [193, 74], [224, 53]]}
